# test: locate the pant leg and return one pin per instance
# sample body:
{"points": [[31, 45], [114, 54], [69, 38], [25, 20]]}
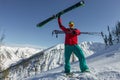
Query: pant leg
{"points": [[67, 55], [80, 55]]}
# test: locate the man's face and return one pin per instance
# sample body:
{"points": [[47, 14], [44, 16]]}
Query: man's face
{"points": [[71, 25]]}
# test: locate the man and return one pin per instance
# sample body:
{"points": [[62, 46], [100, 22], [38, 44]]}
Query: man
{"points": [[71, 45]]}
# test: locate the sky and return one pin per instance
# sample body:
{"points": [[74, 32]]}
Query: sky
{"points": [[18, 19]]}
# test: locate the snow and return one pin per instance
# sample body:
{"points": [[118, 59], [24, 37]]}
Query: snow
{"points": [[104, 65], [10, 56], [48, 64]]}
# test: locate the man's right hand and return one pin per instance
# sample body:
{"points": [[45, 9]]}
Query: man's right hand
{"points": [[59, 15]]}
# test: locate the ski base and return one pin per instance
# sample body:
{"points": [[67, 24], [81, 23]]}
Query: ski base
{"points": [[81, 76]]}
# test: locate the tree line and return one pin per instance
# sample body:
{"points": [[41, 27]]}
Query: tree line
{"points": [[113, 36]]}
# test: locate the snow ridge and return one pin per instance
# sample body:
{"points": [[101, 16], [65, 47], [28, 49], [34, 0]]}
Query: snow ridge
{"points": [[104, 65], [45, 60], [11, 55]]}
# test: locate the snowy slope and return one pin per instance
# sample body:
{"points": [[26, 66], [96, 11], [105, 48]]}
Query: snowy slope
{"points": [[55, 54], [104, 65], [45, 60]]}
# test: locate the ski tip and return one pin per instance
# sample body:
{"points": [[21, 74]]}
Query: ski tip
{"points": [[38, 26], [82, 2]]}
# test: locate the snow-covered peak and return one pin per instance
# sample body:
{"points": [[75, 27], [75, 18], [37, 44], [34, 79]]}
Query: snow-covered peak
{"points": [[57, 47], [11, 55], [91, 47]]}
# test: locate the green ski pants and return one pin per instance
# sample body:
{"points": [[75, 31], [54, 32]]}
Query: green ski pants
{"points": [[80, 55]]}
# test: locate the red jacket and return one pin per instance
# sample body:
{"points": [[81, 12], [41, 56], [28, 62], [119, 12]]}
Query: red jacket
{"points": [[71, 35]]}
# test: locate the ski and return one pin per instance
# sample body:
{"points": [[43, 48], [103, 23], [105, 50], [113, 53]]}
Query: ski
{"points": [[80, 75], [56, 32], [80, 3]]}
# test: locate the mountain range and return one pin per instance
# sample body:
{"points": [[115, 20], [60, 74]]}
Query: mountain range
{"points": [[18, 63]]}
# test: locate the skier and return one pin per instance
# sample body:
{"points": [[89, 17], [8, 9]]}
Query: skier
{"points": [[71, 45]]}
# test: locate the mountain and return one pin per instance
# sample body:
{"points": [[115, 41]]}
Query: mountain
{"points": [[11, 55], [45, 60], [104, 65]]}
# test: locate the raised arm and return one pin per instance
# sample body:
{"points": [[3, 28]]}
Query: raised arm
{"points": [[60, 24]]}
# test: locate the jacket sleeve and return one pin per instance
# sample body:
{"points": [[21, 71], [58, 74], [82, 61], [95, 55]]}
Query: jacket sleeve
{"points": [[60, 25], [77, 32]]}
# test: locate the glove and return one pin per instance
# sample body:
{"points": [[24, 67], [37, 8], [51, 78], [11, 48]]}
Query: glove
{"points": [[59, 15]]}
